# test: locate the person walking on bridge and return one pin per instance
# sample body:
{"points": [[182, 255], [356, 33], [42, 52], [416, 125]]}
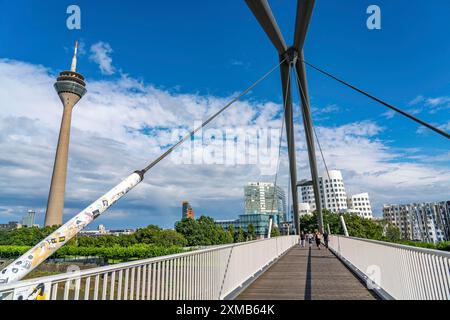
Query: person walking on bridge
{"points": [[302, 239], [318, 237], [310, 238]]}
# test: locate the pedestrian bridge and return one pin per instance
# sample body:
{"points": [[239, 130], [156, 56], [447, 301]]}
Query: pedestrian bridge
{"points": [[307, 274], [275, 268]]}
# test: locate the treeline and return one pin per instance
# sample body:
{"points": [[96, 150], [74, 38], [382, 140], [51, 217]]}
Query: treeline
{"points": [[149, 235], [146, 242], [357, 226], [24, 236], [366, 228], [443, 245], [204, 232], [116, 252]]}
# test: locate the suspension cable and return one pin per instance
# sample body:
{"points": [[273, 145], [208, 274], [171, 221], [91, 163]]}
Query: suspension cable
{"points": [[423, 123], [188, 136]]}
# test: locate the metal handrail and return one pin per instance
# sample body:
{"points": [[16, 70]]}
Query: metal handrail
{"points": [[441, 253], [118, 266], [171, 275], [394, 270]]}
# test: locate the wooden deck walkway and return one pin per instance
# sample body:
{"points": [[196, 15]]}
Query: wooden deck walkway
{"points": [[307, 274]]}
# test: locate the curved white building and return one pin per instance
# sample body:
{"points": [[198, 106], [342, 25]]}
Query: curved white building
{"points": [[334, 196], [332, 191], [360, 204]]}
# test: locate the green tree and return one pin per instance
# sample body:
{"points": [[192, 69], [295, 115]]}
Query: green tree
{"points": [[24, 236], [231, 232], [274, 232], [308, 223], [251, 232], [148, 234], [332, 220], [239, 235], [202, 232], [169, 238], [393, 233]]}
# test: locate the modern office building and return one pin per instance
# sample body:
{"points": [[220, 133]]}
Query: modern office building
{"points": [[263, 201], [71, 88], [360, 205], [186, 211], [332, 192], [265, 198], [28, 219], [259, 221], [428, 222]]}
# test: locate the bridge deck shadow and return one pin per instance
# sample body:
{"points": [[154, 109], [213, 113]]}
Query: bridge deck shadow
{"points": [[307, 274]]}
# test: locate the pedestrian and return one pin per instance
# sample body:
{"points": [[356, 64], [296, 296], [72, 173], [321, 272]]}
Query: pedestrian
{"points": [[325, 239], [318, 239], [302, 239], [310, 238]]}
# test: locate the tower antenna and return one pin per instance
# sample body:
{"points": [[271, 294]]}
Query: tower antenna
{"points": [[74, 60]]}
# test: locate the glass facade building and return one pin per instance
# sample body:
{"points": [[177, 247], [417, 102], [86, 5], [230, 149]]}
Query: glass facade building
{"points": [[265, 198], [259, 221]]}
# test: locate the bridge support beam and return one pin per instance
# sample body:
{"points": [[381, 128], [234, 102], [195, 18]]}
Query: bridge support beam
{"points": [[289, 119], [305, 9], [309, 133]]}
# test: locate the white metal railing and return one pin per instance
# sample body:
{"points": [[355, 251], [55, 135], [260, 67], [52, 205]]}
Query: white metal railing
{"points": [[403, 272], [209, 274]]}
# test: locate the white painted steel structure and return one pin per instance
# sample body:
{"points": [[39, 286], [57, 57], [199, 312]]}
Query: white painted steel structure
{"points": [[210, 274], [403, 272]]}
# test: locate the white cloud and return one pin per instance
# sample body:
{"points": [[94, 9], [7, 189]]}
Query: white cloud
{"points": [[417, 100], [121, 124], [389, 114], [332, 108], [431, 105], [101, 54]]}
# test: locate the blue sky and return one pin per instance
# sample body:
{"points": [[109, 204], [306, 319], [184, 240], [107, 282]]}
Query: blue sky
{"points": [[216, 48]]}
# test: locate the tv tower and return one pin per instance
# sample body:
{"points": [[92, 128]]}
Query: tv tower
{"points": [[70, 86]]}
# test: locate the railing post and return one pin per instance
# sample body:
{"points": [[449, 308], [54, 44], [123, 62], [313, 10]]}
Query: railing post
{"points": [[87, 287]]}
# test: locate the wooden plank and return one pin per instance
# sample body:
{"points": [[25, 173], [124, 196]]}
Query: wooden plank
{"points": [[307, 274]]}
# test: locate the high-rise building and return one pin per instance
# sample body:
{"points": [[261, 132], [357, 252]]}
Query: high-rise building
{"points": [[332, 192], [334, 196], [428, 222], [28, 219], [360, 204], [71, 88], [265, 198], [186, 211]]}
